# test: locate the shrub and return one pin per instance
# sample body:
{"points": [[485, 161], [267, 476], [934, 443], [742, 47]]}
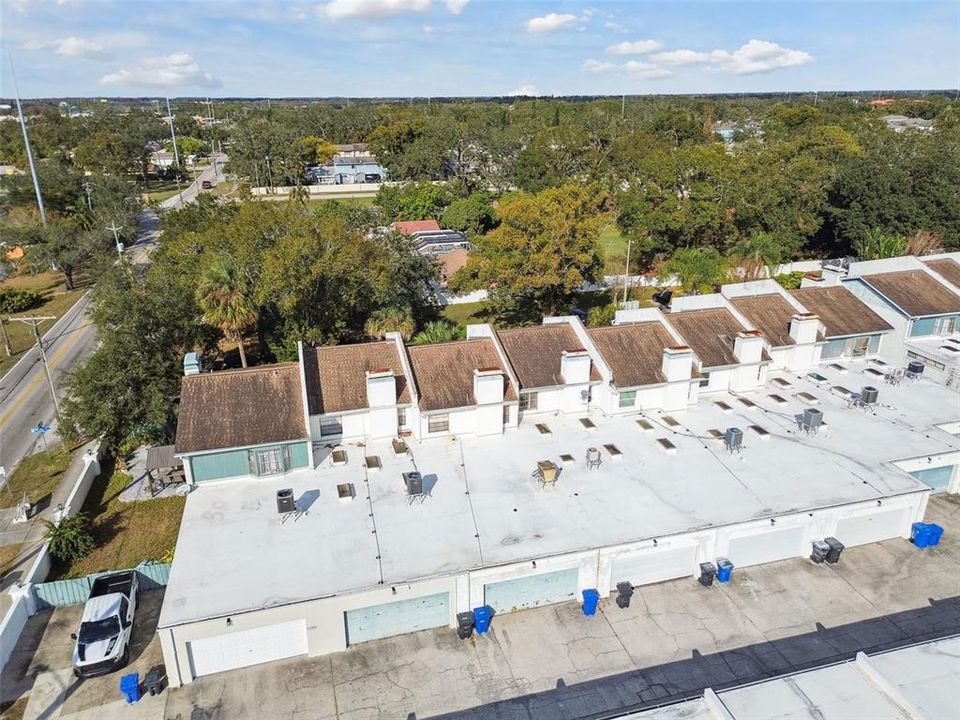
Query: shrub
{"points": [[71, 540], [790, 281], [14, 300]]}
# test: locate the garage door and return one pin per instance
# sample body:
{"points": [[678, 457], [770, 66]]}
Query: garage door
{"points": [[397, 618], [768, 546], [530, 591], [936, 478], [654, 565], [863, 529], [248, 647]]}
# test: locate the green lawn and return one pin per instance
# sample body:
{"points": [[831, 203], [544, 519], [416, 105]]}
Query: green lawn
{"points": [[56, 301], [466, 313], [37, 476], [362, 201], [126, 533]]}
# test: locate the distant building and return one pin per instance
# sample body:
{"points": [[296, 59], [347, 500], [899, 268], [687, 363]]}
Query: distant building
{"points": [[351, 164], [902, 123], [431, 239]]}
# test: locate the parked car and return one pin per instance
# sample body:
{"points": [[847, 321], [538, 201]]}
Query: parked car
{"points": [[206, 185], [102, 644]]}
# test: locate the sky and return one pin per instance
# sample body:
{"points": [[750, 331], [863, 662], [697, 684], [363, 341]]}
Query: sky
{"points": [[433, 48]]}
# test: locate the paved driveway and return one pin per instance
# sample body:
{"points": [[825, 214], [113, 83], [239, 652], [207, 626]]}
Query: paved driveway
{"points": [[674, 640]]}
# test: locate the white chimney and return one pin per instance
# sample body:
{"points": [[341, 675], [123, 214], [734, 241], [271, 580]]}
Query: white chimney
{"points": [[831, 276], [812, 280], [488, 386], [748, 346], [804, 328], [381, 388], [575, 366], [677, 363]]}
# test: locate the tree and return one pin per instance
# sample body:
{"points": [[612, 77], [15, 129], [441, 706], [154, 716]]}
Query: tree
{"points": [[225, 301], [473, 215], [757, 256], [70, 539], [876, 244], [411, 201], [438, 331], [127, 386], [67, 248], [389, 320], [316, 150], [544, 250], [699, 270]]}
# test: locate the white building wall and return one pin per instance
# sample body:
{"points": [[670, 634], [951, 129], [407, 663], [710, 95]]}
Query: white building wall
{"points": [[892, 343], [325, 617]]}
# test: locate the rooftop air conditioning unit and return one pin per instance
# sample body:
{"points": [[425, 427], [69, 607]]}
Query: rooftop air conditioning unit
{"points": [[414, 483], [285, 501], [662, 297], [733, 439], [869, 394], [812, 419], [914, 370]]}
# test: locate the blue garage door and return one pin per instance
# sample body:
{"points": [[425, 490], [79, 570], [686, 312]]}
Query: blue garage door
{"points": [[530, 591], [397, 618], [937, 478]]}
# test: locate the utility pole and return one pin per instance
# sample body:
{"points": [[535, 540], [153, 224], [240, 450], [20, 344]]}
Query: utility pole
{"points": [[87, 186], [34, 322], [176, 153], [626, 271], [116, 237], [269, 173], [623, 105], [26, 144]]}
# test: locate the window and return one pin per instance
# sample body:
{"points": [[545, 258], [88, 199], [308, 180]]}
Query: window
{"points": [[528, 401], [923, 326], [833, 349], [704, 379], [331, 425], [858, 346], [628, 398], [874, 345], [402, 417], [438, 423], [269, 461], [945, 326], [506, 414]]}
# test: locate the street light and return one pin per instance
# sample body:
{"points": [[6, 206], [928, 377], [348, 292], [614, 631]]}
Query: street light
{"points": [[116, 237]]}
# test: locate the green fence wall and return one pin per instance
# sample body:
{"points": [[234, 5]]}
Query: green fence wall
{"points": [[62, 593]]}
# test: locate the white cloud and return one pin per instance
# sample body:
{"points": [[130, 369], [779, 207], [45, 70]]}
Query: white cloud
{"points": [[682, 57], [638, 47], [616, 27], [173, 71], [433, 29], [550, 22], [759, 56], [527, 89], [645, 70], [71, 47], [597, 66], [344, 9], [456, 6]]}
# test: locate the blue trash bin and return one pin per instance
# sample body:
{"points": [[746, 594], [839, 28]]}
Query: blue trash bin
{"points": [[130, 687], [918, 531], [724, 570], [482, 617], [591, 598], [934, 532]]}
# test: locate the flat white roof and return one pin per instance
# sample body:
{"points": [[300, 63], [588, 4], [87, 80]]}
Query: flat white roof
{"points": [[945, 350], [923, 676], [485, 509]]}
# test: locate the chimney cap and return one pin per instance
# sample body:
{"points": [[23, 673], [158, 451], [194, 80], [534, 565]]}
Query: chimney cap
{"points": [[677, 349], [749, 334], [488, 371]]}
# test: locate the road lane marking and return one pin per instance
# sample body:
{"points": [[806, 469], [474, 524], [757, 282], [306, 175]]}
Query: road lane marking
{"points": [[32, 385]]}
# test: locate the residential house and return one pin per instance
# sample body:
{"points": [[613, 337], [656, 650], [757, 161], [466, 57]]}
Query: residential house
{"points": [[430, 239]]}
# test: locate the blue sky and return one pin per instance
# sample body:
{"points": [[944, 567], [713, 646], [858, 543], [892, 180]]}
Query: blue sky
{"points": [[474, 47]]}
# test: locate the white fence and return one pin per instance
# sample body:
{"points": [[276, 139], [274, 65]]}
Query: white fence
{"points": [[24, 604]]}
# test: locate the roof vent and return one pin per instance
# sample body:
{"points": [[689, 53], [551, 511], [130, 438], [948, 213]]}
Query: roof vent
{"points": [[733, 439]]}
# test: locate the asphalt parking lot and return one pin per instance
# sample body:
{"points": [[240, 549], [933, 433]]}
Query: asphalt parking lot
{"points": [[552, 662]]}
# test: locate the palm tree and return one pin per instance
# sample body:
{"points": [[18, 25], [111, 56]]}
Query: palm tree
{"points": [[437, 331], [225, 302]]}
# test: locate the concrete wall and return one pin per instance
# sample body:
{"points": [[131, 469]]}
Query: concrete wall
{"points": [[12, 625], [325, 617]]}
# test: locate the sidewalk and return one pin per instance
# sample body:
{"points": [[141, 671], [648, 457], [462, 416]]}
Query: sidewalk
{"points": [[33, 537]]}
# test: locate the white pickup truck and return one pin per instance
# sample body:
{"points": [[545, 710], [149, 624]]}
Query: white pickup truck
{"points": [[103, 641]]}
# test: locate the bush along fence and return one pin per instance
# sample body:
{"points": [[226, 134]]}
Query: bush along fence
{"points": [[62, 593]]}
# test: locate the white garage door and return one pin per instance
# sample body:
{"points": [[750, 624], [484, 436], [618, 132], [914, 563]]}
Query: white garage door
{"points": [[767, 546], [531, 591], [653, 565], [248, 647], [397, 618], [863, 529]]}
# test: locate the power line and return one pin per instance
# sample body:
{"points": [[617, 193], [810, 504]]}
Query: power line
{"points": [[34, 322]]}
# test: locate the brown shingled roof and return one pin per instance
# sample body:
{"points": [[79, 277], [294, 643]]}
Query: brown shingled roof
{"points": [[770, 314], [443, 372], [535, 352], [710, 333], [239, 408], [946, 267], [841, 312], [915, 292], [336, 375], [634, 352]]}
